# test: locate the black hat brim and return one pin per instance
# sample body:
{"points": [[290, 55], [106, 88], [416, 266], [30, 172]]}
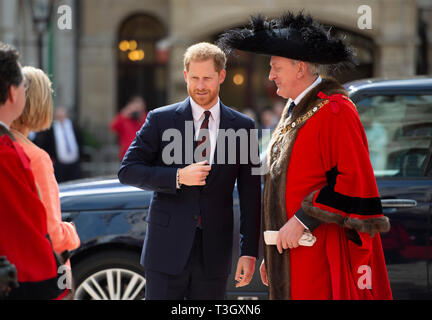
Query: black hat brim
{"points": [[296, 37]]}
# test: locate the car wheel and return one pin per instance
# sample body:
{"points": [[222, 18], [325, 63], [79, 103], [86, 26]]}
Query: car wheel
{"points": [[113, 275]]}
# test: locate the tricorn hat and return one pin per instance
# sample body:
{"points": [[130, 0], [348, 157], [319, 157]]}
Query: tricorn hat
{"points": [[297, 37]]}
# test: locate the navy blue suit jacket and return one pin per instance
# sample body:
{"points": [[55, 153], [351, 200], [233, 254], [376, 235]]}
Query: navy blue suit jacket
{"points": [[173, 212]]}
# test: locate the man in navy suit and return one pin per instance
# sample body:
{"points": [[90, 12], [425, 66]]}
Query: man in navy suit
{"points": [[187, 252]]}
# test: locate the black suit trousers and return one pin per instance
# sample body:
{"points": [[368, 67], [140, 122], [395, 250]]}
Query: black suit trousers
{"points": [[191, 284]]}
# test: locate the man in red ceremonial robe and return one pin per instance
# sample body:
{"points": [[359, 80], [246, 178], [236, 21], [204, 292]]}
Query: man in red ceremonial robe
{"points": [[23, 222], [320, 178]]}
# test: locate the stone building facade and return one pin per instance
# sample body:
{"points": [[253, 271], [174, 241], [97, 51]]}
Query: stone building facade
{"points": [[93, 76]]}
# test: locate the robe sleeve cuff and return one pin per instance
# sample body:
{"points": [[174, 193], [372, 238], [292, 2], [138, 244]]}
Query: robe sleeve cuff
{"points": [[371, 225]]}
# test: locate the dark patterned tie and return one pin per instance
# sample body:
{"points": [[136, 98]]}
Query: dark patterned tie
{"points": [[204, 134], [290, 109]]}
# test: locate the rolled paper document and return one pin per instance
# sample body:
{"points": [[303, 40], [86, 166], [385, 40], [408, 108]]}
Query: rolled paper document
{"points": [[307, 239]]}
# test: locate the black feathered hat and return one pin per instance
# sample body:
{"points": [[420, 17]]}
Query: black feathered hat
{"points": [[297, 37]]}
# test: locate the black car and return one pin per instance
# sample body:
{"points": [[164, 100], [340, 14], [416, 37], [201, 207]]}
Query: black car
{"points": [[397, 117]]}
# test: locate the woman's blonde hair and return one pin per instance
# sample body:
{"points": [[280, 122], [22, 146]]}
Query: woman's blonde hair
{"points": [[38, 111], [205, 51]]}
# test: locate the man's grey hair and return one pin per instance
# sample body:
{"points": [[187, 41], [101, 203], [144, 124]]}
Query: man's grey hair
{"points": [[314, 69]]}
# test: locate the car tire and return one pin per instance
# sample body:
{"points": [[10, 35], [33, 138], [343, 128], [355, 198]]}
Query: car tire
{"points": [[109, 275]]}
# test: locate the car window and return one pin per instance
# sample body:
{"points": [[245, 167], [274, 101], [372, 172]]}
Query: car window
{"points": [[399, 133]]}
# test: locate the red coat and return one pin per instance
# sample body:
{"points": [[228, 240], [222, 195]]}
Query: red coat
{"points": [[330, 167], [126, 129], [23, 227]]}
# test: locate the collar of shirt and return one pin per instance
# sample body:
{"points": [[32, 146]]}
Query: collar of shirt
{"points": [[198, 111], [4, 125], [301, 95]]}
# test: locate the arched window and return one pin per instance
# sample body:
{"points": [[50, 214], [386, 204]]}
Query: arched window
{"points": [[142, 65]]}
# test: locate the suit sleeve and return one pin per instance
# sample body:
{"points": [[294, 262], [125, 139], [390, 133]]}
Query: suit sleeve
{"points": [[307, 221], [351, 197], [249, 190], [139, 168]]}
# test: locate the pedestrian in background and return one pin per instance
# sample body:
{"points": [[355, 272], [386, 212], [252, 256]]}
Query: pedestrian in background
{"points": [[37, 116], [128, 121], [63, 143]]}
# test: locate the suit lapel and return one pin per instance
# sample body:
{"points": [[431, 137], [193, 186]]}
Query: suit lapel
{"points": [[184, 123]]}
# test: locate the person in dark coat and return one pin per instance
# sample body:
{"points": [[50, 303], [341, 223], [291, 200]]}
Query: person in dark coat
{"points": [[63, 142], [187, 251]]}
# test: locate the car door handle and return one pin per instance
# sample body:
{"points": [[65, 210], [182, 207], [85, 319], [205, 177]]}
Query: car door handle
{"points": [[398, 203]]}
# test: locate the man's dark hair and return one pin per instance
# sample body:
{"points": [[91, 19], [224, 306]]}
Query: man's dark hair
{"points": [[10, 71]]}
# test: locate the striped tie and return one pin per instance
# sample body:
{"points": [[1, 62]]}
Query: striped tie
{"points": [[204, 134]]}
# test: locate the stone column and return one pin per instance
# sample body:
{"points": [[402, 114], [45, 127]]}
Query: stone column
{"points": [[65, 70], [397, 39], [97, 81], [425, 14], [180, 41], [8, 16], [428, 20], [16, 29]]}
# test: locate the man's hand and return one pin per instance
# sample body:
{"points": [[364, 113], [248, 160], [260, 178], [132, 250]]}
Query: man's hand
{"points": [[194, 174], [289, 235], [263, 273], [245, 271]]}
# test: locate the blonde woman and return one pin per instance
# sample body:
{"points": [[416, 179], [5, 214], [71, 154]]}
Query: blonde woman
{"points": [[37, 116]]}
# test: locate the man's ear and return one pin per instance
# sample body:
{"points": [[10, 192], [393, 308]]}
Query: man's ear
{"points": [[301, 69], [13, 93], [185, 75], [222, 76]]}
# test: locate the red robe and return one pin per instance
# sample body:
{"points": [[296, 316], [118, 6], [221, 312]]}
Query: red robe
{"points": [[319, 168], [330, 155], [23, 227]]}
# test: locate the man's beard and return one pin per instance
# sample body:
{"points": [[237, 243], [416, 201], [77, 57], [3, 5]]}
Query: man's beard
{"points": [[203, 100]]}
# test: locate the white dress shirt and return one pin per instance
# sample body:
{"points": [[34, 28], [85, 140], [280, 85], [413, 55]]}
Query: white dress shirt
{"points": [[214, 121], [305, 92], [4, 125], [67, 152]]}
